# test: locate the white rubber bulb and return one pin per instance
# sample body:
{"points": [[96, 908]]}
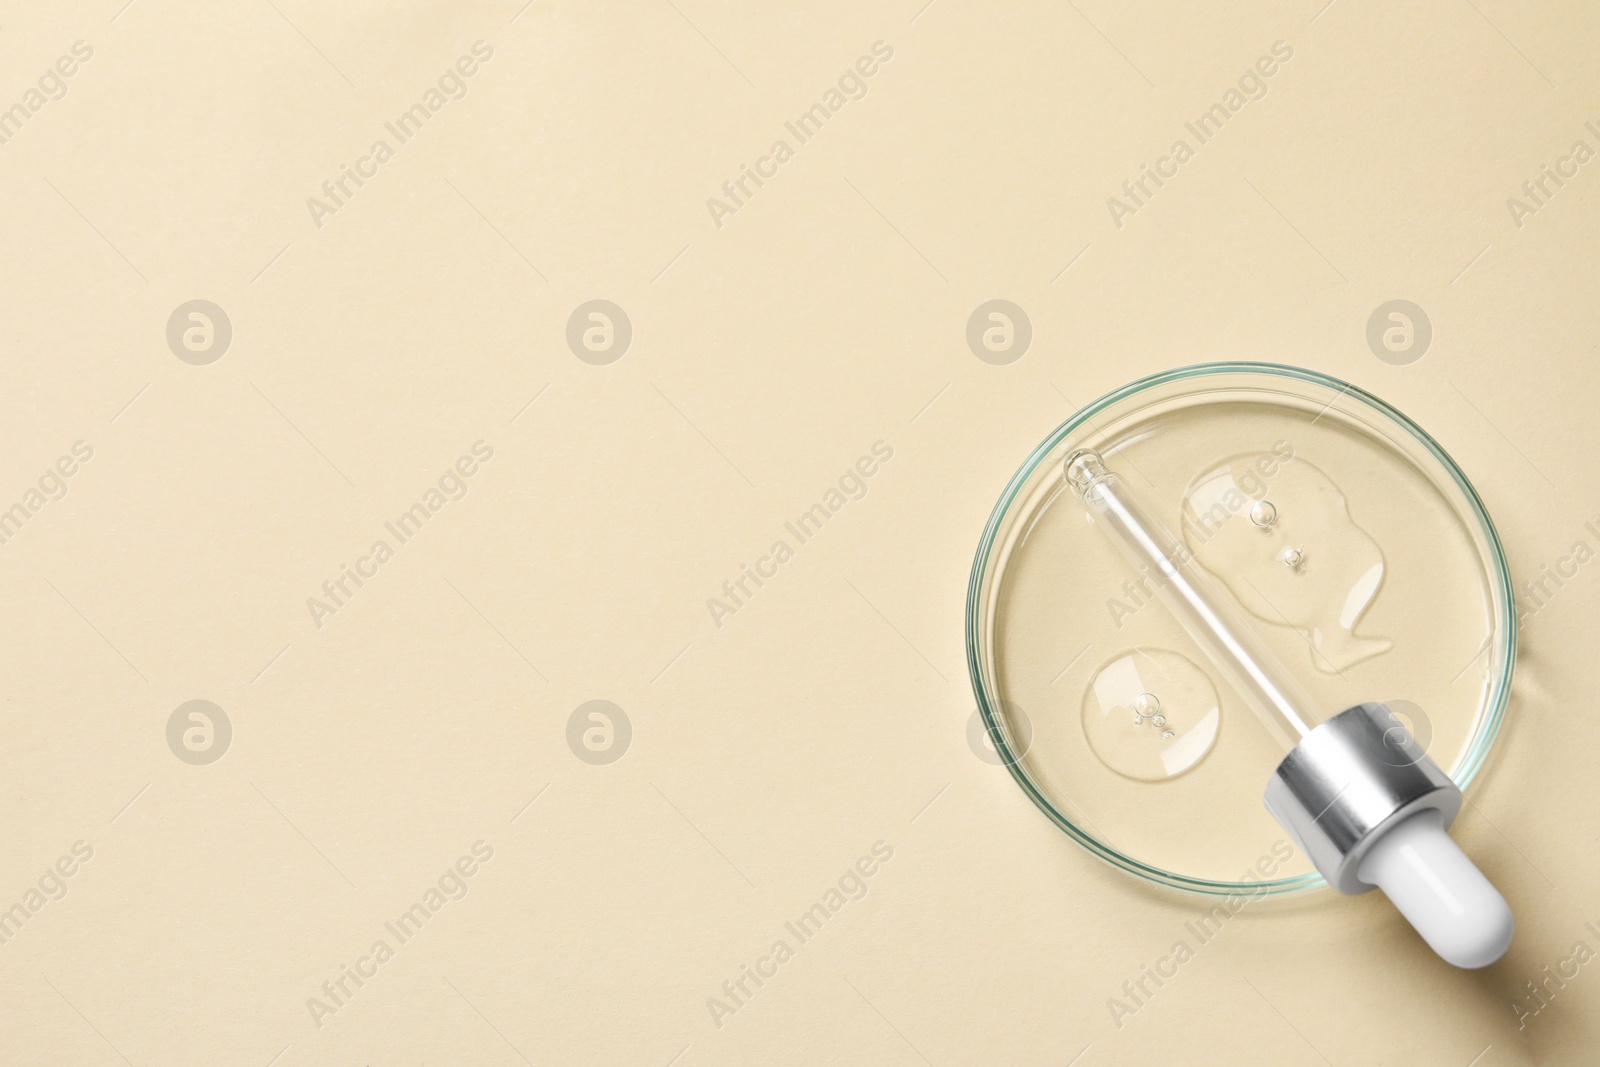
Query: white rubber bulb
{"points": [[1440, 891]]}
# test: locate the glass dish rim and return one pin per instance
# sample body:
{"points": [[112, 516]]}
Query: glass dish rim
{"points": [[1499, 697]]}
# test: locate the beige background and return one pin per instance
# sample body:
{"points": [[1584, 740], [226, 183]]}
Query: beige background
{"points": [[829, 713]]}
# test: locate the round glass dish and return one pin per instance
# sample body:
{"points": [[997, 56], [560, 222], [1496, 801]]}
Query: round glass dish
{"points": [[1351, 540]]}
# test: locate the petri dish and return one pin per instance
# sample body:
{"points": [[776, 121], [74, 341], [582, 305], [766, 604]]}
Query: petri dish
{"points": [[1350, 540]]}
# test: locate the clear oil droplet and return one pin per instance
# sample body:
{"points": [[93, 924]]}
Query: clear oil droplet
{"points": [[1297, 559], [1150, 714]]}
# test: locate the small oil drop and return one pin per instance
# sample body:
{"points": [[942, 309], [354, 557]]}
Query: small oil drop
{"points": [[1150, 714]]}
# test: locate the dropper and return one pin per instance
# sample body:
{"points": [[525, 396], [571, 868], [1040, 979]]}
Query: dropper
{"points": [[1360, 797]]}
